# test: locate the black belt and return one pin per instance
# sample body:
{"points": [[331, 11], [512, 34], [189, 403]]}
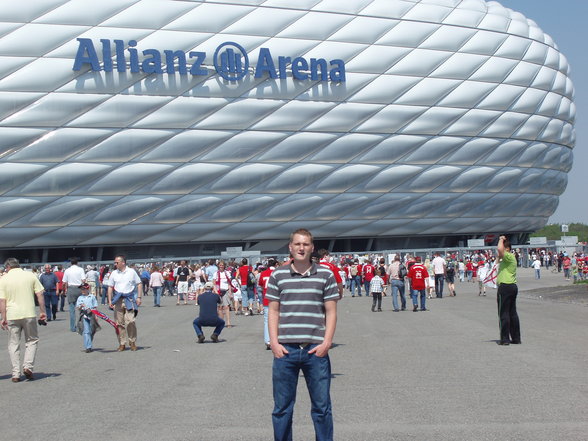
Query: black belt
{"points": [[300, 345]]}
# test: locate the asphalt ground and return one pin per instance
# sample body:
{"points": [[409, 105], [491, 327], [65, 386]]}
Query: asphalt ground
{"points": [[435, 375]]}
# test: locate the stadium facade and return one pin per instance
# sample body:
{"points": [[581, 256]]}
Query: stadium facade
{"points": [[162, 127]]}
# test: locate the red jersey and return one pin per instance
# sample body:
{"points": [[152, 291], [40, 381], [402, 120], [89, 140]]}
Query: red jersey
{"points": [[418, 274], [59, 275], [333, 268], [263, 278], [368, 272], [244, 273]]}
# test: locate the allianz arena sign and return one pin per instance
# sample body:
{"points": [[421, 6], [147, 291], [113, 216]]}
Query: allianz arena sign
{"points": [[355, 119], [231, 62]]}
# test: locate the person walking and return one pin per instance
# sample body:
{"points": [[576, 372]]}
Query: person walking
{"points": [[121, 297], [73, 277], [50, 281], [302, 320], [17, 308], [510, 331], [156, 283]]}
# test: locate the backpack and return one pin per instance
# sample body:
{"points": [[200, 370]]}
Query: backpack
{"points": [[402, 271], [251, 280]]}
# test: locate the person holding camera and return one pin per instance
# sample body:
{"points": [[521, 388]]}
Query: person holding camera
{"points": [[17, 307], [510, 329]]}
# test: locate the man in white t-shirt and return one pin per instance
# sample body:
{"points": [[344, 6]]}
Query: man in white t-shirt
{"points": [[122, 284], [537, 267], [73, 277], [439, 268]]}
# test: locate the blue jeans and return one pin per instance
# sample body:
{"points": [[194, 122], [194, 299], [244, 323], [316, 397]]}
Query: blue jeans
{"points": [[398, 287], [317, 373], [414, 294], [157, 295], [87, 334], [51, 302], [537, 273], [219, 325], [72, 317], [439, 279], [366, 287], [355, 282], [248, 296], [461, 274], [104, 294], [266, 339]]}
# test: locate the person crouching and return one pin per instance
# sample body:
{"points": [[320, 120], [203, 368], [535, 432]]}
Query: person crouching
{"points": [[208, 302]]}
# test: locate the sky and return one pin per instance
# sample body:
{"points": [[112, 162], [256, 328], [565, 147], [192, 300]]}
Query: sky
{"points": [[565, 21]]}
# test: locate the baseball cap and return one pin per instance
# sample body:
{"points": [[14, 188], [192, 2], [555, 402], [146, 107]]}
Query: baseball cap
{"points": [[208, 285], [84, 286]]}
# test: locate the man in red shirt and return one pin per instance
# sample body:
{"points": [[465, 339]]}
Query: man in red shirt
{"points": [[263, 278], [247, 288], [325, 260], [60, 290], [368, 272], [418, 276]]}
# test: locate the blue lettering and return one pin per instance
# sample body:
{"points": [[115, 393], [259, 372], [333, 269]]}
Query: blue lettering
{"points": [[315, 63], [299, 64], [153, 63], [169, 59], [282, 63], [134, 56], [197, 68], [106, 55], [86, 54], [337, 73], [232, 64], [121, 64], [265, 64]]}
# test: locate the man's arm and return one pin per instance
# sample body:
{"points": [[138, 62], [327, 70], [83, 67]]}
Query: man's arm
{"points": [[331, 324], [4, 322], [109, 295], [500, 247], [41, 299], [272, 323], [139, 293]]}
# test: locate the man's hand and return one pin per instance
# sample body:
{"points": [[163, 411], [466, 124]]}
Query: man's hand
{"points": [[278, 350], [321, 350], [4, 324], [42, 316], [139, 301]]}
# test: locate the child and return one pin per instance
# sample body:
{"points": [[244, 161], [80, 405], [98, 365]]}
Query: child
{"points": [[87, 324], [237, 297], [376, 289]]}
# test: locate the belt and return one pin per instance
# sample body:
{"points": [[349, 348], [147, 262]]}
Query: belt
{"points": [[300, 345]]}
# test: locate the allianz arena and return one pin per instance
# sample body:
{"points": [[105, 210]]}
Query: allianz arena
{"points": [[145, 124]]}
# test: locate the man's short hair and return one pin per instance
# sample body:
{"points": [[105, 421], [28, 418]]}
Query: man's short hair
{"points": [[73, 260], [397, 257], [302, 232], [244, 261], [121, 257], [271, 262], [506, 244], [322, 253], [12, 262]]}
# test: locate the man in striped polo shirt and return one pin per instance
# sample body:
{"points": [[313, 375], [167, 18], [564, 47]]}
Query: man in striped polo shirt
{"points": [[302, 320]]}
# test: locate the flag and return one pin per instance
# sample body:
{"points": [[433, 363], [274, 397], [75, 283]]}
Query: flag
{"points": [[490, 279]]}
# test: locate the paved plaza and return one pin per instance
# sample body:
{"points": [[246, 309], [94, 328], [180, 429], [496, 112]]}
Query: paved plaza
{"points": [[435, 375]]}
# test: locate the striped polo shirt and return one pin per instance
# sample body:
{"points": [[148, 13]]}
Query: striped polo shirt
{"points": [[302, 300]]}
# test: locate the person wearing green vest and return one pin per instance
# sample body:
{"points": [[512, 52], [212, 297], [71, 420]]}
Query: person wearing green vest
{"points": [[510, 331]]}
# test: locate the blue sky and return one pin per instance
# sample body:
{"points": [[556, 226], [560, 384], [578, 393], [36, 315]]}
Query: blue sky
{"points": [[565, 21]]}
